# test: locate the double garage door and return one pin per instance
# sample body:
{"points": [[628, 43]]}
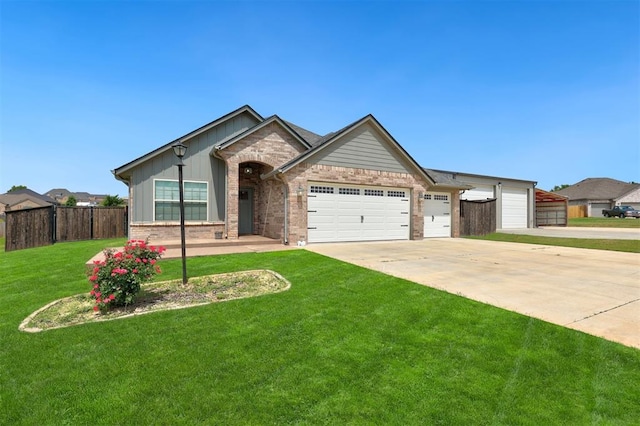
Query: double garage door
{"points": [[357, 213]]}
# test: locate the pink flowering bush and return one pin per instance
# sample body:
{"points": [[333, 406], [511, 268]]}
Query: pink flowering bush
{"points": [[117, 279]]}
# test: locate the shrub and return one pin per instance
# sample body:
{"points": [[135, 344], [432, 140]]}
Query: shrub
{"points": [[117, 279]]}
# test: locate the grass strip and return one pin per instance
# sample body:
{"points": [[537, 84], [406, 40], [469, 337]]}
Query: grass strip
{"points": [[630, 246]]}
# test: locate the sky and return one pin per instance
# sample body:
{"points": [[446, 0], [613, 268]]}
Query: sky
{"points": [[547, 91]]}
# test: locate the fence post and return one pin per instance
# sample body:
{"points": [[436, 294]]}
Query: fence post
{"points": [[53, 218], [91, 223]]}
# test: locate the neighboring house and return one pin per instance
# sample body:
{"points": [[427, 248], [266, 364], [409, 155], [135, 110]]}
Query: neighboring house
{"points": [[83, 199], [515, 198], [602, 193], [245, 174], [23, 199]]}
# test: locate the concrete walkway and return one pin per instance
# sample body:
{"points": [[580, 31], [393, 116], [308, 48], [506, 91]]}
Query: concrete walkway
{"points": [[594, 291]]}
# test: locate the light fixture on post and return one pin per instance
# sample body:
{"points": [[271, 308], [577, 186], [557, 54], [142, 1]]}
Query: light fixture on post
{"points": [[180, 150]]}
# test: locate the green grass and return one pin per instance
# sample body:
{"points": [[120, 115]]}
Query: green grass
{"points": [[604, 222], [345, 345], [629, 246]]}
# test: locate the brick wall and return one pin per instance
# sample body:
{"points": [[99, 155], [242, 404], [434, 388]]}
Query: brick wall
{"points": [[269, 147], [305, 172], [171, 231]]}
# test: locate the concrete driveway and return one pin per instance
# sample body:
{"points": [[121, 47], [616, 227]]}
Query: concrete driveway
{"points": [[594, 291]]}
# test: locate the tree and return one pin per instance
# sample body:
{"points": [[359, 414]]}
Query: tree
{"points": [[17, 188], [112, 201], [559, 187], [71, 201]]}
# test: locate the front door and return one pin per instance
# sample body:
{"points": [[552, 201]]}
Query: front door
{"points": [[245, 211]]}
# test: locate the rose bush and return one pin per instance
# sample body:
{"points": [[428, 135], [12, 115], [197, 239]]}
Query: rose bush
{"points": [[117, 279]]}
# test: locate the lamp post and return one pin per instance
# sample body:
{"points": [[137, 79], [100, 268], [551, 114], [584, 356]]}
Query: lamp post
{"points": [[180, 149]]}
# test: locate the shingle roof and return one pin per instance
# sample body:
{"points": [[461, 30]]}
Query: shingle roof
{"points": [[597, 189], [307, 135], [13, 198], [32, 194]]}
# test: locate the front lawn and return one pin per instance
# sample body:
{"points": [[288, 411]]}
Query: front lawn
{"points": [[344, 345]]}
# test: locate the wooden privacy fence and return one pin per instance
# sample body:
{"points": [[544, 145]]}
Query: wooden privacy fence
{"points": [[47, 225], [477, 217], [577, 211]]}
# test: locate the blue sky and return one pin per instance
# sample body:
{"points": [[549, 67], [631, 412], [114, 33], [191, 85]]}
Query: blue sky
{"points": [[547, 91]]}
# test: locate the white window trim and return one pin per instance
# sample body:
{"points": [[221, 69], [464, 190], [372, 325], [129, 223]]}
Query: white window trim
{"points": [[183, 181]]}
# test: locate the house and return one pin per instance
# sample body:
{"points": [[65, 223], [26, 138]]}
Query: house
{"points": [[597, 194], [83, 199], [246, 174], [23, 199]]}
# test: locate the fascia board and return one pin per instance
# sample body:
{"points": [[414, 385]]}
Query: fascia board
{"points": [[128, 166]]}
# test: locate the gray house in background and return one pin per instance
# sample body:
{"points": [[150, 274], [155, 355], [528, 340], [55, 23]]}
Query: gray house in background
{"points": [[602, 193], [246, 174]]}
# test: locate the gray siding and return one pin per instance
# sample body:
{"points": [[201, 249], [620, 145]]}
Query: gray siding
{"points": [[199, 166], [363, 148]]}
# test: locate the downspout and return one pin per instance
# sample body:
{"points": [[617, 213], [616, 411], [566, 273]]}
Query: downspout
{"points": [[226, 191], [286, 207]]}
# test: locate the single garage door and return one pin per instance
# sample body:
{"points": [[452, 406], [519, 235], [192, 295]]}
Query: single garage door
{"points": [[480, 192], [514, 208], [357, 213], [437, 214]]}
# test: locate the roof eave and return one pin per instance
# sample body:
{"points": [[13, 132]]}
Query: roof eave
{"points": [[246, 108]]}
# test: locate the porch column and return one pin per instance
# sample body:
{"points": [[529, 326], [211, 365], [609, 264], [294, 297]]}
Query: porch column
{"points": [[233, 190]]}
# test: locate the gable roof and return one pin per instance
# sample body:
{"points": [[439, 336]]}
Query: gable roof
{"points": [[330, 138], [168, 146], [263, 124], [15, 197], [31, 194], [598, 189]]}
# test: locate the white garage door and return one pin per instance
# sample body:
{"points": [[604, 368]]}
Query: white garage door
{"points": [[514, 208], [357, 213], [437, 214], [480, 192]]}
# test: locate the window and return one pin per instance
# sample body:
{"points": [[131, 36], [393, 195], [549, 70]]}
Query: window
{"points": [[167, 200], [349, 191], [441, 197], [395, 193], [374, 192], [315, 189]]}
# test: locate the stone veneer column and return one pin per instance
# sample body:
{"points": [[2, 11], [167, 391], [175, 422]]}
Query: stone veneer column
{"points": [[233, 189]]}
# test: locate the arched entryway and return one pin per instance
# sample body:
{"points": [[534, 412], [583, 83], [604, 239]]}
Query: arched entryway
{"points": [[255, 200]]}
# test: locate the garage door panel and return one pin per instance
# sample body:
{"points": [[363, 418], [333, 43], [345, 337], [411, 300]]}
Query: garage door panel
{"points": [[514, 208], [481, 192], [437, 214], [357, 213]]}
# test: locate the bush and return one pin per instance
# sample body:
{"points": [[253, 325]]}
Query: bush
{"points": [[117, 279]]}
